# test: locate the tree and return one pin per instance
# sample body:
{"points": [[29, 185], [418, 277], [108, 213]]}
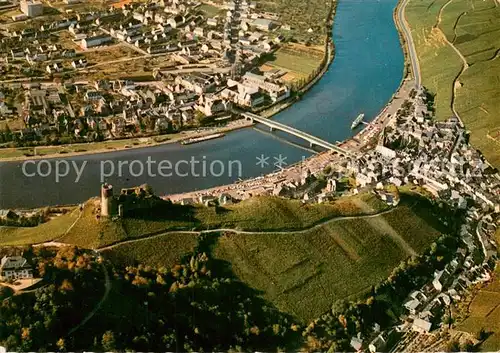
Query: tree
{"points": [[467, 346], [108, 341], [66, 286], [453, 346], [61, 344], [5, 292], [11, 343], [481, 335], [448, 320]]}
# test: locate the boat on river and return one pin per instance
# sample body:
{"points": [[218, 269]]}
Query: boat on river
{"points": [[201, 139], [357, 121]]}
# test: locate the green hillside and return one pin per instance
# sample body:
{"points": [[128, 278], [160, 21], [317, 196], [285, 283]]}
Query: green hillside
{"points": [[50, 230], [303, 272], [473, 28], [85, 229]]}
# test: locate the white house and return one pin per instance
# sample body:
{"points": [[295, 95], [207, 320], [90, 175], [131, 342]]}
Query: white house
{"points": [[385, 152], [14, 267], [95, 41], [422, 326]]}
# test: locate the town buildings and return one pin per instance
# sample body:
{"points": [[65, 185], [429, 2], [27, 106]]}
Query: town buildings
{"points": [[207, 66]]}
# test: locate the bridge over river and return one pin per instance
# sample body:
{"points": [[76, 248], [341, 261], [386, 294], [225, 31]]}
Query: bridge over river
{"points": [[313, 140]]}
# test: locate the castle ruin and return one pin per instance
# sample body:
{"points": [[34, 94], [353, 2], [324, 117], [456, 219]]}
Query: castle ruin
{"points": [[127, 200]]}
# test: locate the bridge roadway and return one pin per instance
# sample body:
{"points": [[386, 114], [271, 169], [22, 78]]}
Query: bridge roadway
{"points": [[313, 141]]}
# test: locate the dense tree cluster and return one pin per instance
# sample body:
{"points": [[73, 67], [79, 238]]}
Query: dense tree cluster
{"points": [[38, 319], [196, 305]]}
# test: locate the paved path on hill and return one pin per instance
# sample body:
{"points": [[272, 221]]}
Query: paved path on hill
{"points": [[384, 227]]}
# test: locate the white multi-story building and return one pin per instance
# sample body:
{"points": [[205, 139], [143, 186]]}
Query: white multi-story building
{"points": [[95, 41], [14, 267], [31, 8]]}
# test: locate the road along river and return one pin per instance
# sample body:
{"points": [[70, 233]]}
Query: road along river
{"points": [[366, 71]]}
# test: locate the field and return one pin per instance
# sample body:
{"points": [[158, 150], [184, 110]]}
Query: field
{"points": [[478, 105], [416, 224], [300, 257], [13, 124], [44, 232], [299, 61], [300, 16], [255, 214], [109, 53], [494, 135], [211, 11], [165, 251], [137, 67], [473, 27], [485, 314], [439, 64]]}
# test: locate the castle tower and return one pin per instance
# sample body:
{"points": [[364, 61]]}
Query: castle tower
{"points": [[106, 199]]}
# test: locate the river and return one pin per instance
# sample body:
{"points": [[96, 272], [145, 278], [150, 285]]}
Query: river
{"points": [[366, 71]]}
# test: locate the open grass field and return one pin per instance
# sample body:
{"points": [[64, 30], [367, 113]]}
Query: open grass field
{"points": [[165, 251], [494, 135], [95, 146], [473, 27], [211, 11], [299, 61], [273, 213], [300, 267], [8, 153], [485, 313], [255, 214], [44, 232], [127, 68], [109, 53], [478, 105], [304, 273], [89, 232], [416, 224], [13, 124]]}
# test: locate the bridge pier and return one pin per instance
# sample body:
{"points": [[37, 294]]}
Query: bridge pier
{"points": [[271, 128]]}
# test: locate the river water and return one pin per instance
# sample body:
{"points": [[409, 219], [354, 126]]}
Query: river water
{"points": [[366, 71]]}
